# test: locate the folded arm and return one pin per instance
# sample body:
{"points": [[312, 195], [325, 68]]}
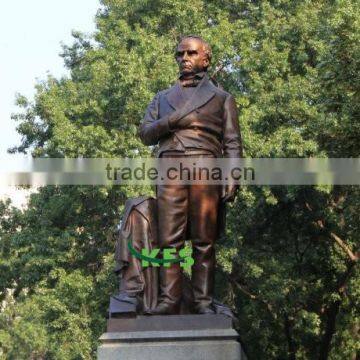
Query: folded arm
{"points": [[152, 128]]}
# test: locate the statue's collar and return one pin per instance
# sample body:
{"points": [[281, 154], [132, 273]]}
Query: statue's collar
{"points": [[192, 80], [201, 95]]}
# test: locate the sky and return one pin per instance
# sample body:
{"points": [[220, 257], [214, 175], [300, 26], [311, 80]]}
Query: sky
{"points": [[31, 33]]}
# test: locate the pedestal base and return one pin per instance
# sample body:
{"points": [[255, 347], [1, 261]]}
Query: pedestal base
{"points": [[175, 337]]}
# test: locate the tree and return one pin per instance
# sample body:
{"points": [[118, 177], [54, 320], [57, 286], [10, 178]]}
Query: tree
{"points": [[289, 263]]}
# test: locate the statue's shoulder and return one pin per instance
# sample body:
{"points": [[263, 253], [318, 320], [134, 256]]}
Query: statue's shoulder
{"points": [[215, 86]]}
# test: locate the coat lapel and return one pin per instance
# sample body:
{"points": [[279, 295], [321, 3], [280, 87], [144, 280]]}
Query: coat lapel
{"points": [[175, 97], [203, 93]]}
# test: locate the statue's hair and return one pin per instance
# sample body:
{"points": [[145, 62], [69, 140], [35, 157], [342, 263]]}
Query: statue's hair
{"points": [[206, 45]]}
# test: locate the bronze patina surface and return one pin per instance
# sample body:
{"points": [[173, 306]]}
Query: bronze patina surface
{"points": [[192, 118]]}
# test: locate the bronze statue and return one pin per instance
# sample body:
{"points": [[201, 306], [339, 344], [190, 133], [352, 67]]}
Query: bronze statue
{"points": [[193, 118]]}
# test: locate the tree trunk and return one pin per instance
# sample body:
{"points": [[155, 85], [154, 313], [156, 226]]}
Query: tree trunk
{"points": [[291, 345], [331, 314]]}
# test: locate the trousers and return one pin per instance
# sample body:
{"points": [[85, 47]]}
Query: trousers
{"points": [[188, 212]]}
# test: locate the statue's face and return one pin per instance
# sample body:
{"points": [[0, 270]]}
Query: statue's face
{"points": [[191, 56]]}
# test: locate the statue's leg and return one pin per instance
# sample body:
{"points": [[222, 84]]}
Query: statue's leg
{"points": [[203, 217], [172, 201]]}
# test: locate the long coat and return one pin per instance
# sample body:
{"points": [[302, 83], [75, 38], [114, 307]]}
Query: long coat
{"points": [[208, 121]]}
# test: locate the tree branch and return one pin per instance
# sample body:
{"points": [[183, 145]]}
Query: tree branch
{"points": [[354, 257], [252, 296]]}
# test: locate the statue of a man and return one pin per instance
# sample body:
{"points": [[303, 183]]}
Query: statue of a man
{"points": [[193, 118]]}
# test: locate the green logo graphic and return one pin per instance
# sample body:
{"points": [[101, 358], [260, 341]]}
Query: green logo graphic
{"points": [[150, 258]]}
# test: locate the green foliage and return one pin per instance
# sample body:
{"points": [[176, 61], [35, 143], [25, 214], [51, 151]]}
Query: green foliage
{"points": [[288, 265]]}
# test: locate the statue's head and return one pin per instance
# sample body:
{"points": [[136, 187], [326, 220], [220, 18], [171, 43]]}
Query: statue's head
{"points": [[193, 54]]}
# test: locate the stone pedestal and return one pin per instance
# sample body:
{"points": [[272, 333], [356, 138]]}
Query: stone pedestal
{"points": [[175, 337]]}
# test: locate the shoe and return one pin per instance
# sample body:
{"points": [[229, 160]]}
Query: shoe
{"points": [[164, 309]]}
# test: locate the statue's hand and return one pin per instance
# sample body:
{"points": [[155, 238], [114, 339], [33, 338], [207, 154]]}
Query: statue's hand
{"points": [[178, 121], [174, 119], [229, 192]]}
